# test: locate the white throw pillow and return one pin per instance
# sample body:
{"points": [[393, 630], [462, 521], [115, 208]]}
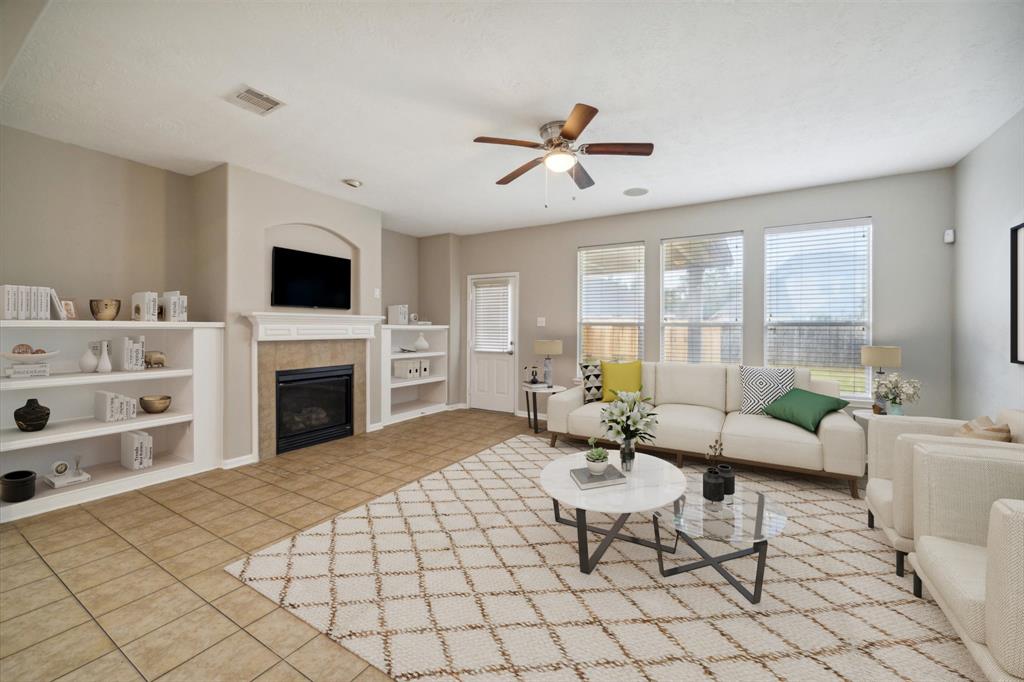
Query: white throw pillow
{"points": [[760, 386]]}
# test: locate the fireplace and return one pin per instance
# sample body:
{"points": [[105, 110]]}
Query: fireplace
{"points": [[314, 405]]}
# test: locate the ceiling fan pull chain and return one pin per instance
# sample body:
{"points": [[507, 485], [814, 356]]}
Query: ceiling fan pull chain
{"points": [[546, 173]]}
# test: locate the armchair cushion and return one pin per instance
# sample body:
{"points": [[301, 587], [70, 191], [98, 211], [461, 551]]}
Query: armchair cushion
{"points": [[957, 570], [1004, 585], [984, 428]]}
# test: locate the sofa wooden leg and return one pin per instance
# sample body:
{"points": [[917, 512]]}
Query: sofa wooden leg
{"points": [[854, 490], [899, 563], [917, 586], [679, 459], [871, 519], [554, 438]]}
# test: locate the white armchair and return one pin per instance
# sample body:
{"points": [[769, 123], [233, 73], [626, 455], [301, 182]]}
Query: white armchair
{"points": [[969, 548], [890, 491]]}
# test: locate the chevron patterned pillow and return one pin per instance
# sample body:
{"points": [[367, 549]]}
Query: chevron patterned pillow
{"points": [[760, 386], [593, 390]]}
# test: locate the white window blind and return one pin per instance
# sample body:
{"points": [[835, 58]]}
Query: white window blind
{"points": [[702, 298], [611, 302], [492, 310], [818, 299]]}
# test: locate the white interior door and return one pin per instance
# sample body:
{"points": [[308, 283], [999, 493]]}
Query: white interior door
{"points": [[493, 311]]}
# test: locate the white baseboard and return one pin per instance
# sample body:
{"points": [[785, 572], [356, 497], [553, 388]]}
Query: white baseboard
{"points": [[375, 426], [239, 461], [540, 415], [458, 406]]}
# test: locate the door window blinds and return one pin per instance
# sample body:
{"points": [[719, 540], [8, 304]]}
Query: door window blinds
{"points": [[492, 321], [818, 300], [702, 298], [610, 302]]}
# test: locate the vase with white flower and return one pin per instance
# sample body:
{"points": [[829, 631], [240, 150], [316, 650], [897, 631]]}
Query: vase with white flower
{"points": [[897, 391], [627, 420]]}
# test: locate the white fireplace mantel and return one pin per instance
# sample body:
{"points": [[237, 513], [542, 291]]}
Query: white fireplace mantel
{"points": [[268, 326]]}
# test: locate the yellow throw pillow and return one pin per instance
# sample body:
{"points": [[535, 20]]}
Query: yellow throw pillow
{"points": [[619, 376], [983, 428]]}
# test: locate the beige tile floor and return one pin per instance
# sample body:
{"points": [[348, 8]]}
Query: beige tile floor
{"points": [[132, 587]]}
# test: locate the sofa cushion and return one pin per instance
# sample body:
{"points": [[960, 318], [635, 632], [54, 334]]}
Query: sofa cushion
{"points": [[691, 428], [592, 389], [734, 391], [682, 383], [803, 408], [879, 494], [761, 386], [620, 377], [957, 571], [759, 438], [586, 420]]}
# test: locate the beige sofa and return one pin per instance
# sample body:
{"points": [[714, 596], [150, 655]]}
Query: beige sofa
{"points": [[969, 548], [891, 442], [698, 404]]}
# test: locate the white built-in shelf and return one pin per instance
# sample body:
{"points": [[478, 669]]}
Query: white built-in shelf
{"points": [[402, 383], [416, 408], [401, 355], [107, 475], [101, 324], [82, 378], [77, 429]]}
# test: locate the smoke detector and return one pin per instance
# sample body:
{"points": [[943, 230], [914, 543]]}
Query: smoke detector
{"points": [[255, 101], [352, 182], [636, 191]]}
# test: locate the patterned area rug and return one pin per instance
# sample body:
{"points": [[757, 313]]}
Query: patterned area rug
{"points": [[464, 575]]}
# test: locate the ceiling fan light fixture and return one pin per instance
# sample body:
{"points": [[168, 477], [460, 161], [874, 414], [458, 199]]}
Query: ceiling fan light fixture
{"points": [[559, 161]]}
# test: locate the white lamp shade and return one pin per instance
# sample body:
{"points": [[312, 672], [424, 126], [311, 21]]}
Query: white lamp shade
{"points": [[547, 347], [881, 356]]}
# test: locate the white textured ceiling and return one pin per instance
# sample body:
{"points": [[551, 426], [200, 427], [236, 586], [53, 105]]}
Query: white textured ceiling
{"points": [[739, 99]]}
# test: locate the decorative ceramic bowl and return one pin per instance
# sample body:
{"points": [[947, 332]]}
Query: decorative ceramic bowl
{"points": [[17, 486], [597, 468], [32, 416], [155, 404], [104, 308], [29, 357]]}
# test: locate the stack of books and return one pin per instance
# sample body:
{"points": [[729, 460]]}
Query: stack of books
{"points": [[129, 353], [173, 307], [145, 306], [18, 302], [28, 369], [136, 450], [114, 407]]}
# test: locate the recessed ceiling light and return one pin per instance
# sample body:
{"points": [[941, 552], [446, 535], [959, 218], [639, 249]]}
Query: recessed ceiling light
{"points": [[636, 191], [352, 182]]}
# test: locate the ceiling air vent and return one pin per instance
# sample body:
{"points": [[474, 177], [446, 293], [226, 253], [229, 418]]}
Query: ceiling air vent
{"points": [[257, 102]]}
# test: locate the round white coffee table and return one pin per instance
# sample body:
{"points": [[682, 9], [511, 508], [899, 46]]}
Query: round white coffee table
{"points": [[653, 483]]}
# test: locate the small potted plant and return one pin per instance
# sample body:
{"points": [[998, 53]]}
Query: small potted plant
{"points": [[897, 391], [597, 458]]}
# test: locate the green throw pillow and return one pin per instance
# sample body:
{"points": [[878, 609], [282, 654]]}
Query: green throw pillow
{"points": [[803, 408]]}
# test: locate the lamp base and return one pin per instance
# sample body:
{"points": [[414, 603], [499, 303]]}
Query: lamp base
{"points": [[547, 372]]}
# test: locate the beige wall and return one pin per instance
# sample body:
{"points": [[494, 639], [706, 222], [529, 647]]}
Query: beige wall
{"points": [[990, 200], [16, 20], [912, 268], [440, 300], [208, 296], [92, 225], [263, 211], [400, 268]]}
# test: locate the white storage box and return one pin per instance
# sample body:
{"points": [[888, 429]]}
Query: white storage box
{"points": [[425, 368], [407, 369]]}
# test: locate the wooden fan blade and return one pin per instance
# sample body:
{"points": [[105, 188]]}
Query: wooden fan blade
{"points": [[579, 118], [533, 163], [514, 143], [580, 176], [619, 148]]}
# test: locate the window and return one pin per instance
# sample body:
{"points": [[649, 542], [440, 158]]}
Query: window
{"points": [[818, 300], [702, 298], [610, 297], [492, 315]]}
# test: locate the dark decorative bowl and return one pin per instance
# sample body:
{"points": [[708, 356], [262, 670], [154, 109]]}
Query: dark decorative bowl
{"points": [[32, 416], [17, 486], [155, 404]]}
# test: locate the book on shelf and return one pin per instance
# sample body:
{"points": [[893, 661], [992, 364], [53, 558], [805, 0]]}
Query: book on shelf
{"points": [[145, 306], [114, 407], [129, 353], [173, 307], [18, 302], [136, 450], [34, 369], [56, 306]]}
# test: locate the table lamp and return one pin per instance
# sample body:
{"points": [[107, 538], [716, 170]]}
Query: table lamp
{"points": [[880, 357], [547, 348]]}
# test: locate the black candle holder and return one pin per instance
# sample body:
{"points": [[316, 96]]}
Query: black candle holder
{"points": [[729, 477], [714, 485]]}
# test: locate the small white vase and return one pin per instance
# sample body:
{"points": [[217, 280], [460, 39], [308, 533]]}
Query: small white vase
{"points": [[103, 366], [421, 343], [88, 362]]}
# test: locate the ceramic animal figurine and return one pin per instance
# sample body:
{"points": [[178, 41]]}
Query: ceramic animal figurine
{"points": [[155, 358]]}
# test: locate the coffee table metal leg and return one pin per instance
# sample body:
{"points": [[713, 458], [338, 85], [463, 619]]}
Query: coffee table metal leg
{"points": [[587, 561], [715, 562]]}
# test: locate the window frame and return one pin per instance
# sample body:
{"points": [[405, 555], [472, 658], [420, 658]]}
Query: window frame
{"points": [[662, 324], [640, 325], [868, 325]]}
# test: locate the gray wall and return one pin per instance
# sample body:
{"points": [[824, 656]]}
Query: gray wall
{"points": [[912, 298], [989, 201], [400, 270], [92, 225], [441, 300]]}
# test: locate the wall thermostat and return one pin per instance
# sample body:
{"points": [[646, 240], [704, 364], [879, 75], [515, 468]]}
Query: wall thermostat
{"points": [[949, 236]]}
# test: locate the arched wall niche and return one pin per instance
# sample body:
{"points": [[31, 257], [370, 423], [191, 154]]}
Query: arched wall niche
{"points": [[315, 239]]}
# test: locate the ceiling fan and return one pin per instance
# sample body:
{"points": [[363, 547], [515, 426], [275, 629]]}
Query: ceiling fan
{"points": [[560, 154]]}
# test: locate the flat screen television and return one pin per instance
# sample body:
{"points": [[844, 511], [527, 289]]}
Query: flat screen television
{"points": [[310, 280]]}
